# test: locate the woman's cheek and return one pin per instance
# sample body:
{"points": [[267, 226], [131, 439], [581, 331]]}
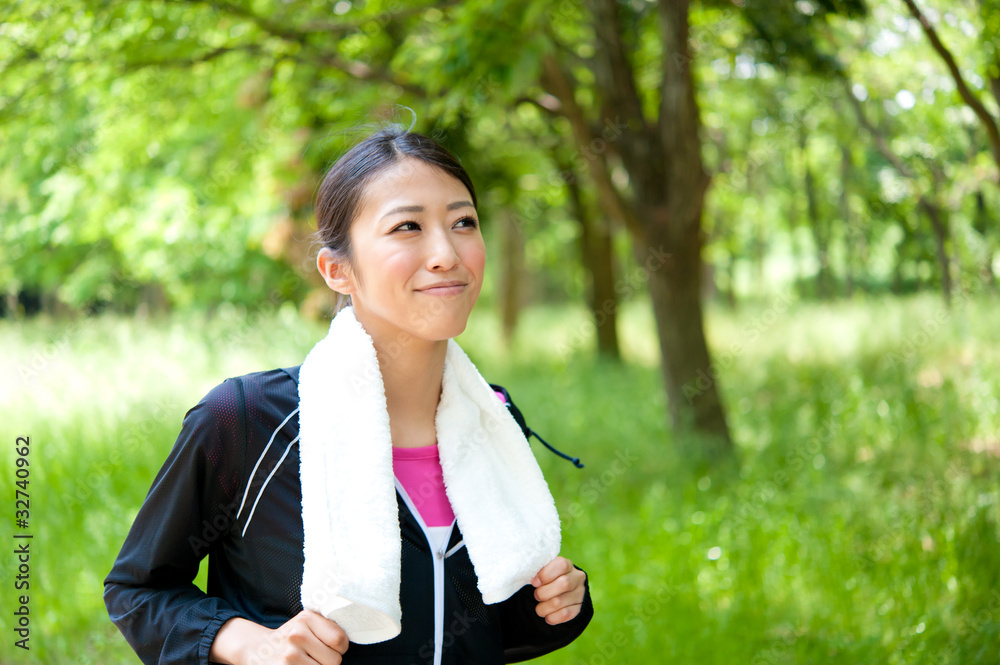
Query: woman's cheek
{"points": [[398, 264], [476, 260]]}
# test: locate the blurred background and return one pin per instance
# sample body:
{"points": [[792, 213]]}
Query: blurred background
{"points": [[742, 261]]}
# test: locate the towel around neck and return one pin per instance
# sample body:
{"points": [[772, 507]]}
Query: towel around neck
{"points": [[501, 502]]}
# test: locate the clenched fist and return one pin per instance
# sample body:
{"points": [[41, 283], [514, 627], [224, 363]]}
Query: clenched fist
{"points": [[559, 590], [305, 639]]}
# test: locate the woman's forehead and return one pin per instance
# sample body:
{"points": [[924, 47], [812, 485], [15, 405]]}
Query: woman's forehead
{"points": [[413, 183]]}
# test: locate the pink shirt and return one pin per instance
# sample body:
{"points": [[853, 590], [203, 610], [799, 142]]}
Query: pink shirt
{"points": [[418, 470]]}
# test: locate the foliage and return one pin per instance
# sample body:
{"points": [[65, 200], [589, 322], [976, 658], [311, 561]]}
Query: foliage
{"points": [[762, 99], [160, 151]]}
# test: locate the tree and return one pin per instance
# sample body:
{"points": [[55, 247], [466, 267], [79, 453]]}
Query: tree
{"points": [[411, 52], [986, 119], [167, 151], [660, 150]]}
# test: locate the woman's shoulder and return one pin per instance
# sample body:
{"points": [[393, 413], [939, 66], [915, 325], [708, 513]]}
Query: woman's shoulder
{"points": [[274, 378], [241, 410], [263, 390]]}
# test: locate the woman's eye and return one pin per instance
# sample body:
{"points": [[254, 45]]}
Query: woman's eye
{"points": [[467, 222]]}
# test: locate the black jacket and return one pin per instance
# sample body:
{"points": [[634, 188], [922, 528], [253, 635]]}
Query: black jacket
{"points": [[193, 509]]}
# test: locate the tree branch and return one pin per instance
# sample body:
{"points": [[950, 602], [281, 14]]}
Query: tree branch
{"points": [[968, 96], [382, 17], [877, 134], [557, 83], [995, 86], [262, 22], [134, 65], [612, 68], [926, 201], [10, 103], [328, 58], [546, 103], [365, 72]]}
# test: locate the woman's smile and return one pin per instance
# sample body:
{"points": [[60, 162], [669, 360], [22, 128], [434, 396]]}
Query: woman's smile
{"points": [[443, 289]]}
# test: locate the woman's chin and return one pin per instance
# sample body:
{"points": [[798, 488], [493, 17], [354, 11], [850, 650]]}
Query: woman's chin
{"points": [[445, 330]]}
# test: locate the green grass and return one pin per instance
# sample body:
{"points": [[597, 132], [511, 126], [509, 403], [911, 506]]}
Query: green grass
{"points": [[861, 527]]}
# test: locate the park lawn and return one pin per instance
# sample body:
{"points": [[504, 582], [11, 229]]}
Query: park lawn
{"points": [[860, 526]]}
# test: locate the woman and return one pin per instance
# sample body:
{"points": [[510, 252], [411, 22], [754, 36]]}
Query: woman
{"points": [[415, 526]]}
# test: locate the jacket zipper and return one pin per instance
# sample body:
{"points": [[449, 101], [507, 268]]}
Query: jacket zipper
{"points": [[437, 558], [438, 601]]}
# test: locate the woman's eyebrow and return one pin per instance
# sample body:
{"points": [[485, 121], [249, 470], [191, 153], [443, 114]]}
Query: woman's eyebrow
{"points": [[451, 206]]}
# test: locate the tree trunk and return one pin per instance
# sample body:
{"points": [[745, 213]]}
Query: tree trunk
{"points": [[984, 226], [604, 300], [153, 301], [10, 306], [690, 377], [731, 276], [709, 289], [663, 161], [901, 250], [824, 288], [850, 233], [670, 206], [759, 240], [513, 269], [793, 216], [723, 228], [598, 259], [941, 233]]}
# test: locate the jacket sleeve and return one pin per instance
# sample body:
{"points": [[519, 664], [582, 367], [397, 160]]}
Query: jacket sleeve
{"points": [[149, 593], [527, 635]]}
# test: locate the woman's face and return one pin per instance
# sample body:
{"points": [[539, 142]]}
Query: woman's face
{"points": [[418, 255]]}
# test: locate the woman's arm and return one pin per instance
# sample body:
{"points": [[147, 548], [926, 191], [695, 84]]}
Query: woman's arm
{"points": [[149, 593], [539, 620], [231, 642]]}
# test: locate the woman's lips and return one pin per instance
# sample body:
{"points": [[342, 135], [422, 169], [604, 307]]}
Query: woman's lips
{"points": [[443, 290]]}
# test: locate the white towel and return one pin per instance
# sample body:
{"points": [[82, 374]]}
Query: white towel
{"points": [[352, 541]]}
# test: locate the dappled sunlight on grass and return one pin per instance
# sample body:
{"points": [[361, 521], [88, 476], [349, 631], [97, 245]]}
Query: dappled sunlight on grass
{"points": [[863, 525]]}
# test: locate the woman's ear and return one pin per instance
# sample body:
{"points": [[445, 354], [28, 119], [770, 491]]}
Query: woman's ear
{"points": [[336, 272]]}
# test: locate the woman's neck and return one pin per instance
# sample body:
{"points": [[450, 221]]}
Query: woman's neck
{"points": [[412, 379]]}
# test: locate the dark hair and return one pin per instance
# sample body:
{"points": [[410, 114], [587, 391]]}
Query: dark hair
{"points": [[341, 194]]}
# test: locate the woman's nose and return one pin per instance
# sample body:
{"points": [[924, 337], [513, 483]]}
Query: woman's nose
{"points": [[442, 253]]}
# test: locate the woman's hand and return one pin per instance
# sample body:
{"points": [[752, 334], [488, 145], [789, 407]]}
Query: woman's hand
{"points": [[305, 639], [559, 590]]}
